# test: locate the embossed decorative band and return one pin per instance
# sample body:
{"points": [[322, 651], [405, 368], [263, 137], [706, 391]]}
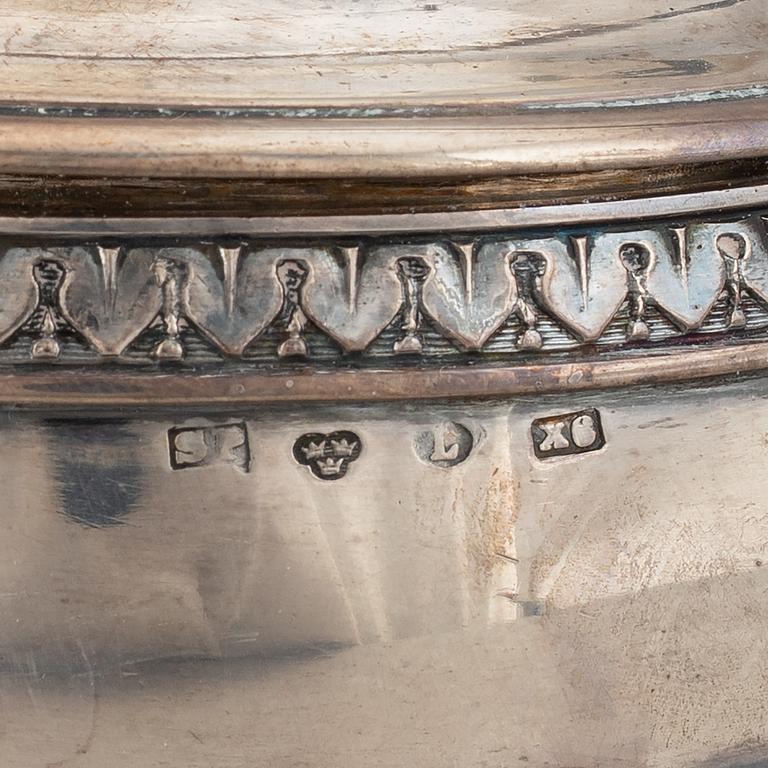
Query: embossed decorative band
{"points": [[428, 297], [541, 299]]}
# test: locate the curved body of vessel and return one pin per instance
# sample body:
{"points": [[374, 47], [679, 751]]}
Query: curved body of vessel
{"points": [[384, 403]]}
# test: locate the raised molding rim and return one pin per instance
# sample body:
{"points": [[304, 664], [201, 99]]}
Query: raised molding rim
{"points": [[59, 387], [444, 221]]}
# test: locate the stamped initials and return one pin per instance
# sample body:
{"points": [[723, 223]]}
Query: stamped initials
{"points": [[569, 434], [202, 446]]}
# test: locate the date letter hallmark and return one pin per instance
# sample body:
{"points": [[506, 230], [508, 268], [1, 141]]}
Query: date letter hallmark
{"points": [[567, 435], [446, 445], [327, 456], [202, 446]]}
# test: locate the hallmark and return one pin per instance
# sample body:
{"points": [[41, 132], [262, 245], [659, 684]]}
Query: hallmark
{"points": [[202, 446], [327, 456], [568, 434], [446, 445]]}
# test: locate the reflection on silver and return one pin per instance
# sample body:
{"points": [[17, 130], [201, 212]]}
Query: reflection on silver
{"points": [[563, 610]]}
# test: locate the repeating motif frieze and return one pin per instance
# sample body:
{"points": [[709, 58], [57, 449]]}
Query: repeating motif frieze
{"points": [[583, 283], [464, 289], [469, 291], [685, 277], [233, 296], [352, 294], [109, 294], [20, 294]]}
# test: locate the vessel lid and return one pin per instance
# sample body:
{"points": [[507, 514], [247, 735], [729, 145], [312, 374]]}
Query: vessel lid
{"points": [[230, 88]]}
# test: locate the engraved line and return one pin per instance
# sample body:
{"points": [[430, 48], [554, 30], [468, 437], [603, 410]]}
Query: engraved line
{"points": [[580, 247], [229, 259], [681, 243], [108, 259], [351, 255], [466, 251]]}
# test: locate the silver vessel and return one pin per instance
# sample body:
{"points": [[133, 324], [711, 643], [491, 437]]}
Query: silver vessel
{"points": [[383, 386]]}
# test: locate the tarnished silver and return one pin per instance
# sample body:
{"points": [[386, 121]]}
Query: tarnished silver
{"points": [[507, 606], [540, 578], [383, 385], [417, 297]]}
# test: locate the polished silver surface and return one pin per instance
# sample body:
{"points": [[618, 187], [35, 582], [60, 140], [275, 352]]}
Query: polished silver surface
{"points": [[572, 579]]}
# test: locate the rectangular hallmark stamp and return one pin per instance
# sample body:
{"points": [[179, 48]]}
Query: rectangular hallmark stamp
{"points": [[206, 445], [568, 434]]}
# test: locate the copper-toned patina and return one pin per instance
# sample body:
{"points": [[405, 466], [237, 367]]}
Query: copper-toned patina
{"points": [[383, 385]]}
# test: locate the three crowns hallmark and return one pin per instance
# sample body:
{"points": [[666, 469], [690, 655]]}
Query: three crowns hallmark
{"points": [[327, 456]]}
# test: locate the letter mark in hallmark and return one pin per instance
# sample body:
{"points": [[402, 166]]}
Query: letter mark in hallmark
{"points": [[327, 456], [205, 445], [567, 435], [445, 445]]}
